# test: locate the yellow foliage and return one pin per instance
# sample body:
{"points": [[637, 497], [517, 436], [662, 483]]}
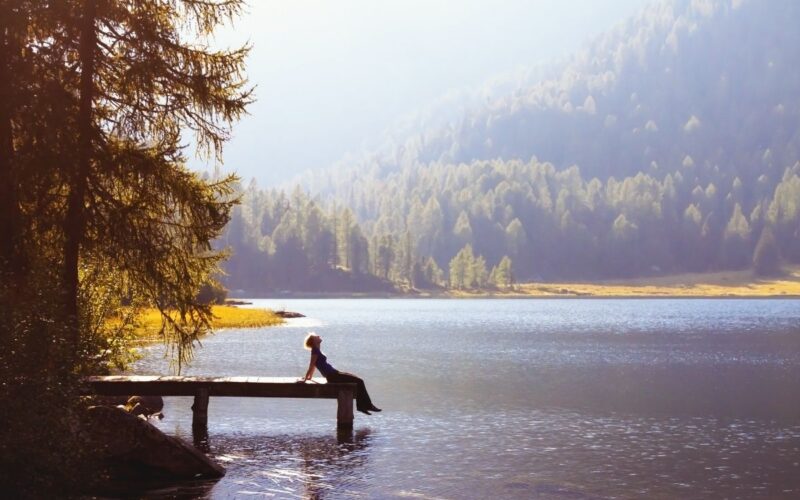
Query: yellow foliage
{"points": [[149, 321], [721, 284]]}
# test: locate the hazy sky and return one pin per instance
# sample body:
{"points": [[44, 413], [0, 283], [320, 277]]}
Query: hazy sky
{"points": [[333, 75]]}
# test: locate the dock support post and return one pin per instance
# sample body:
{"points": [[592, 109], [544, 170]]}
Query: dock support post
{"points": [[344, 414], [200, 408]]}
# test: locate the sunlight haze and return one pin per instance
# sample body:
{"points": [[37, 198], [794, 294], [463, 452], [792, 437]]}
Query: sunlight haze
{"points": [[333, 77]]}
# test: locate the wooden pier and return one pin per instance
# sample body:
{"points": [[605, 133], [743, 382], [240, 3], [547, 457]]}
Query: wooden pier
{"points": [[203, 388]]}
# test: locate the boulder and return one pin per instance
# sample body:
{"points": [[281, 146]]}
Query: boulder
{"points": [[145, 405], [127, 441], [289, 314]]}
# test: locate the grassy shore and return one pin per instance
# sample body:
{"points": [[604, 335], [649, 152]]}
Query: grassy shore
{"points": [[224, 317], [722, 284]]}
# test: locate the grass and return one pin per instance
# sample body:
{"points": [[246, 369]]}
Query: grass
{"points": [[720, 284], [224, 317]]}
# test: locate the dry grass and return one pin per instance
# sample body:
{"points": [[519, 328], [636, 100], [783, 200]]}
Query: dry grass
{"points": [[722, 284], [224, 317]]}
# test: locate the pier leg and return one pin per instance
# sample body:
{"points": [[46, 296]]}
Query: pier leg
{"points": [[200, 409], [344, 415], [200, 437]]}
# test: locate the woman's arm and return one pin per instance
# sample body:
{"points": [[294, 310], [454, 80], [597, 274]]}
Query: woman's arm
{"points": [[312, 365]]}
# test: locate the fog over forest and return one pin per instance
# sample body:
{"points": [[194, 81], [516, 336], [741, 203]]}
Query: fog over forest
{"points": [[670, 144]]}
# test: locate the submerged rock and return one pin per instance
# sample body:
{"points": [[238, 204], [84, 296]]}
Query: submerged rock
{"points": [[132, 445], [289, 314]]}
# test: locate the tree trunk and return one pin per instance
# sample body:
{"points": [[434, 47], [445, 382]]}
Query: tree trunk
{"points": [[75, 221], [9, 208]]}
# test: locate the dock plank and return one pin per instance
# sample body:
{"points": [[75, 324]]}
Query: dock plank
{"points": [[267, 387]]}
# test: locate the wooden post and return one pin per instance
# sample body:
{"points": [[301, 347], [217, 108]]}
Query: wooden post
{"points": [[200, 408], [344, 414]]}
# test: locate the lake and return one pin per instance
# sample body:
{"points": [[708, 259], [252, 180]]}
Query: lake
{"points": [[562, 398]]}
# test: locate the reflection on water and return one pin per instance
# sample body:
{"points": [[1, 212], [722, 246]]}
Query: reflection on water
{"points": [[516, 399], [311, 467], [295, 466]]}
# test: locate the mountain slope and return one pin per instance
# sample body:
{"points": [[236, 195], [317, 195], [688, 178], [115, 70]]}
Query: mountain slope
{"points": [[711, 82], [672, 144]]}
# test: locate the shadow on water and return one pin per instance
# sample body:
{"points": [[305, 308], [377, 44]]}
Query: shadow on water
{"points": [[279, 466]]}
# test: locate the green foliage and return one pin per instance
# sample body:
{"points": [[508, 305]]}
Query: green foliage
{"points": [[461, 269], [468, 271], [99, 215], [633, 226], [502, 275], [212, 292], [292, 243], [432, 273], [40, 453]]}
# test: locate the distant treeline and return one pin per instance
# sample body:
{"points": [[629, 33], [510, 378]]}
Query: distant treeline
{"points": [[294, 243], [453, 225]]}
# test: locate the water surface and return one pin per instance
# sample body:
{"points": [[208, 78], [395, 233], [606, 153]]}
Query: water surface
{"points": [[514, 399]]}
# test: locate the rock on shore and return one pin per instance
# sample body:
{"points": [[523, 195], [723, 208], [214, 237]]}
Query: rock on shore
{"points": [[131, 443]]}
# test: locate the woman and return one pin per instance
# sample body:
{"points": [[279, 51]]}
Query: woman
{"points": [[320, 362]]}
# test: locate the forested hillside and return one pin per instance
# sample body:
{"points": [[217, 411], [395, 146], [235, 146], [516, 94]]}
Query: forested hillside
{"points": [[669, 145]]}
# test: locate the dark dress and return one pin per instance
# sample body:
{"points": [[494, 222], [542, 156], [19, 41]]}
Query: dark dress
{"points": [[332, 375]]}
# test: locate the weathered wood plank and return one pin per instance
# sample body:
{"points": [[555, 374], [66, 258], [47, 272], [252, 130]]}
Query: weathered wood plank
{"points": [[267, 387]]}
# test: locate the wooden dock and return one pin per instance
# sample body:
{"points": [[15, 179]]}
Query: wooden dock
{"points": [[203, 388]]}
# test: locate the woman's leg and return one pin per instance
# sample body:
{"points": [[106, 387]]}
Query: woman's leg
{"points": [[363, 401]]}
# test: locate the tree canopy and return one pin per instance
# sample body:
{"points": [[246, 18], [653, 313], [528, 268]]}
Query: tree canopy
{"points": [[98, 213]]}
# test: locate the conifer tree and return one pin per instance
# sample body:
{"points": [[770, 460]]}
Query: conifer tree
{"points": [[145, 73], [766, 259], [501, 276]]}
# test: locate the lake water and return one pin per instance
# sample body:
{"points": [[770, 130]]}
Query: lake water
{"points": [[513, 399]]}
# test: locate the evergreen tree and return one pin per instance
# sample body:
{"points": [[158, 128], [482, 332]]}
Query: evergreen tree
{"points": [[480, 277], [501, 275], [432, 273], [140, 84], [766, 259]]}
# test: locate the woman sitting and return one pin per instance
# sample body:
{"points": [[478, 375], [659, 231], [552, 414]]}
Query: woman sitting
{"points": [[320, 362]]}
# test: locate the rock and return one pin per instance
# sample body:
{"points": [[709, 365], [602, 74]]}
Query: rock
{"points": [[107, 400], [129, 442], [145, 405], [234, 302], [289, 314]]}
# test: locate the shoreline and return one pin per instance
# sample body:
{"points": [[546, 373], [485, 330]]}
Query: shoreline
{"points": [[717, 285], [518, 296]]}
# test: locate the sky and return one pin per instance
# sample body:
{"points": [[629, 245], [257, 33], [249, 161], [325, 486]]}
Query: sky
{"points": [[333, 76]]}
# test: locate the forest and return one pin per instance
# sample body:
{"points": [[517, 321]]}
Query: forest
{"points": [[645, 154], [510, 221]]}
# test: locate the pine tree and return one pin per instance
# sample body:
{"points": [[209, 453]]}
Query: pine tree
{"points": [[463, 269], [146, 73], [480, 277], [501, 274], [766, 259], [432, 272]]}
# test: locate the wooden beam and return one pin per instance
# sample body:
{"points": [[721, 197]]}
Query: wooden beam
{"points": [[264, 387], [344, 412]]}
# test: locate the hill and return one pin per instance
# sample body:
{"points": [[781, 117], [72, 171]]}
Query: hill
{"points": [[669, 145]]}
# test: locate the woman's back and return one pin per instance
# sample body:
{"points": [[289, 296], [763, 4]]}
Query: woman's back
{"points": [[322, 364]]}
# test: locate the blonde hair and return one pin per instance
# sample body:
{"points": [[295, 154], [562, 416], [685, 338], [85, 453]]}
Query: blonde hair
{"points": [[308, 343]]}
